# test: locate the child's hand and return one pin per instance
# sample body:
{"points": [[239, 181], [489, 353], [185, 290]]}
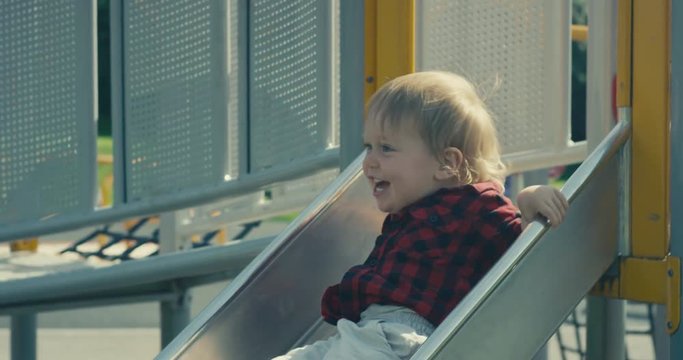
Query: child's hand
{"points": [[542, 200]]}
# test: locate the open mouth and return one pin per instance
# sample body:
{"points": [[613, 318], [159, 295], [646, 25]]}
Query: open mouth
{"points": [[380, 186]]}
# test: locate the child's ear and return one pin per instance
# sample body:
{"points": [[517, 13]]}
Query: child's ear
{"points": [[451, 161]]}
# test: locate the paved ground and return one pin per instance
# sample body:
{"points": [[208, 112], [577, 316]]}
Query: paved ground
{"points": [[92, 344], [112, 332]]}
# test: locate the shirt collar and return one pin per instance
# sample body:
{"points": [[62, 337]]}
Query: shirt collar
{"points": [[435, 205]]}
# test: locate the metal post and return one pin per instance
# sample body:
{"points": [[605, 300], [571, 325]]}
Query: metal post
{"points": [[352, 79], [23, 337], [660, 338], [529, 178], [116, 28], [606, 317], [676, 158], [169, 240], [605, 322], [23, 326], [515, 185], [175, 314], [536, 177], [605, 326]]}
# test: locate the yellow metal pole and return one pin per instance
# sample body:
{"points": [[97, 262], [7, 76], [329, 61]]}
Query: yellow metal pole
{"points": [[648, 273], [624, 40], [389, 41], [650, 139], [370, 48]]}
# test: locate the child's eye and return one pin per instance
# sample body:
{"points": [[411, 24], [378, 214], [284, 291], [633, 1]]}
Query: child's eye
{"points": [[367, 147], [387, 148]]}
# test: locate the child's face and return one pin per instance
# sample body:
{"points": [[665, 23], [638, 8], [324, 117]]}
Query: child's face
{"points": [[399, 166]]}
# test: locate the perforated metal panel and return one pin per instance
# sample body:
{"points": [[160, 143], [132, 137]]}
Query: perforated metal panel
{"points": [[47, 155], [524, 44], [292, 80], [175, 95]]}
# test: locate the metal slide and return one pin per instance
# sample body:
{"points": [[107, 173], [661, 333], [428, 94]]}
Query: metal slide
{"points": [[273, 305]]}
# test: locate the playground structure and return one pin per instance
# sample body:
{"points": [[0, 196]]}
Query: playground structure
{"points": [[293, 111]]}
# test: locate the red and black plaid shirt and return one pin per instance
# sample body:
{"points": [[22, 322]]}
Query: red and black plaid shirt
{"points": [[430, 255]]}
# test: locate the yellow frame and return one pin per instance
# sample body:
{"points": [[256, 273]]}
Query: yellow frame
{"points": [[624, 39], [389, 41], [649, 273], [650, 120]]}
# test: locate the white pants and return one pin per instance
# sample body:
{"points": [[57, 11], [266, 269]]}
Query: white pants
{"points": [[384, 332]]}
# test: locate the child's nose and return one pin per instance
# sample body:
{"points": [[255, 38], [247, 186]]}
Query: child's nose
{"points": [[369, 162]]}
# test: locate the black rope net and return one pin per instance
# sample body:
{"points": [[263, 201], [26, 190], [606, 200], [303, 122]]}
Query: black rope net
{"points": [[139, 238], [570, 339]]}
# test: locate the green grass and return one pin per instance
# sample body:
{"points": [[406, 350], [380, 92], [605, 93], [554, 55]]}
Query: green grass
{"points": [[286, 217], [557, 183], [104, 147]]}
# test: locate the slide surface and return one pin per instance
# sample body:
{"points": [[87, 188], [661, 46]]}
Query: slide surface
{"points": [[273, 305]]}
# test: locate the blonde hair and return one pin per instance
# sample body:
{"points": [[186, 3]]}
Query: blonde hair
{"points": [[447, 112]]}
